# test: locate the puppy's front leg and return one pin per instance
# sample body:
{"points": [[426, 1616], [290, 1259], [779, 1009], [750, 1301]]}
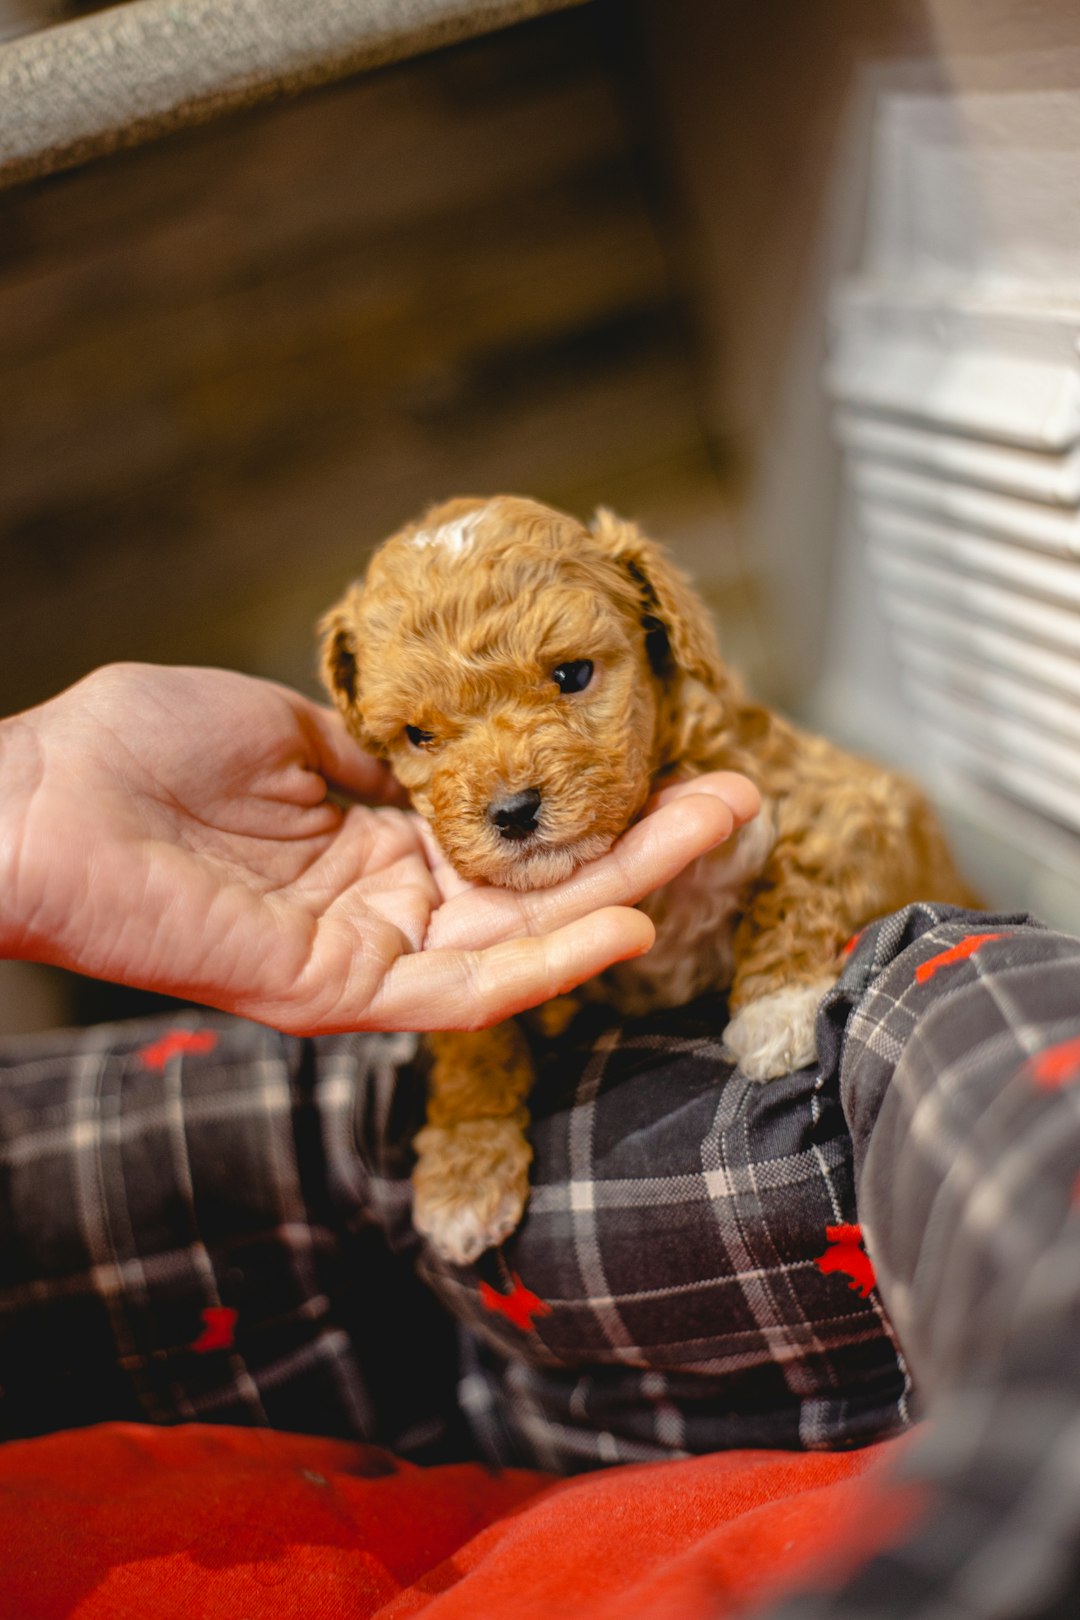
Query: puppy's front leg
{"points": [[471, 1180], [787, 954]]}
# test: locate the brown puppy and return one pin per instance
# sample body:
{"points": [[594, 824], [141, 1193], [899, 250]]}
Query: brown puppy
{"points": [[531, 681]]}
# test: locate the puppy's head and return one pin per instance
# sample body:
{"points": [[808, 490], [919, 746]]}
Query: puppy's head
{"points": [[523, 676]]}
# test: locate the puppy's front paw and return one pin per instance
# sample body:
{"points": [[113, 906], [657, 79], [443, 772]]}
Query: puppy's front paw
{"points": [[775, 1034], [470, 1185]]}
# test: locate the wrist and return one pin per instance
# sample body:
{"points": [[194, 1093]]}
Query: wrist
{"points": [[21, 771]]}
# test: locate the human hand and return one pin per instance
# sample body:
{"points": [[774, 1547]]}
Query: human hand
{"points": [[169, 828]]}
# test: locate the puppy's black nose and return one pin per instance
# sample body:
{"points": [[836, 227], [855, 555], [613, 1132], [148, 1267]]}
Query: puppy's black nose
{"points": [[515, 816]]}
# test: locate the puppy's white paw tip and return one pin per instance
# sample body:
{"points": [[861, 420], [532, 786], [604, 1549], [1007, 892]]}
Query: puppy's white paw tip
{"points": [[463, 1235], [775, 1035], [470, 1185], [462, 1232]]}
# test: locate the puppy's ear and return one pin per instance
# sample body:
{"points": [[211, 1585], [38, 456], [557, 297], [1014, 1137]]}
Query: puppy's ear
{"points": [[339, 663], [678, 630]]}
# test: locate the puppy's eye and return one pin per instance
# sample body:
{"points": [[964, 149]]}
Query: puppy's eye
{"points": [[417, 737], [574, 675]]}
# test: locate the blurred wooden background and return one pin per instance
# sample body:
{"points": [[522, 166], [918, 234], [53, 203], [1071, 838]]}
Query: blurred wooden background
{"points": [[19, 17], [236, 358]]}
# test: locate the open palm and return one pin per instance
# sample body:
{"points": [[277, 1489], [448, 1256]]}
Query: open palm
{"points": [[170, 828]]}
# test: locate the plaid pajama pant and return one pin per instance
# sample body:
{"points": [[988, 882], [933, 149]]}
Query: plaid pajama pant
{"points": [[203, 1219]]}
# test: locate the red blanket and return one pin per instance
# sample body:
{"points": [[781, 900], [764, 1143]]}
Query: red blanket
{"points": [[124, 1521]]}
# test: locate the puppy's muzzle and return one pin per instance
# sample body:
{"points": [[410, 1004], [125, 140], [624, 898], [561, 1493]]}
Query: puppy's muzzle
{"points": [[514, 817]]}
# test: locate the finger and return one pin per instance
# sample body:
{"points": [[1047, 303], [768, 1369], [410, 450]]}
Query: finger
{"points": [[736, 790], [343, 762], [472, 989], [650, 854]]}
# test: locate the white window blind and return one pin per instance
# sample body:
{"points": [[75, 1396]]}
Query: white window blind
{"points": [[955, 371]]}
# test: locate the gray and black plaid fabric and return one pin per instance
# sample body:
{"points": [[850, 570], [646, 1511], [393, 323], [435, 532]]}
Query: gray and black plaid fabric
{"points": [[203, 1219], [196, 1220], [183, 1236], [958, 1045], [673, 1236], [208, 1220]]}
